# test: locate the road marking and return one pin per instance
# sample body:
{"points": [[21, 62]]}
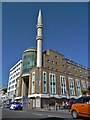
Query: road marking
{"points": [[54, 116], [34, 113], [37, 114], [50, 116], [58, 116]]}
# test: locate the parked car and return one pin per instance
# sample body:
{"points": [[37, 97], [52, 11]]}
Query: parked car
{"points": [[81, 107], [7, 106], [16, 106]]}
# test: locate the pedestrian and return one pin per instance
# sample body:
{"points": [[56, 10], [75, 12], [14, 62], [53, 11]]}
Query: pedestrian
{"points": [[69, 105], [59, 107], [56, 106]]}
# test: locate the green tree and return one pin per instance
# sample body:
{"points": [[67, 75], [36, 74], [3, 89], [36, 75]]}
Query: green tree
{"points": [[84, 91]]}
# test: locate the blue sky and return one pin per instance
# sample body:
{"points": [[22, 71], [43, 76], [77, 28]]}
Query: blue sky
{"points": [[65, 30]]}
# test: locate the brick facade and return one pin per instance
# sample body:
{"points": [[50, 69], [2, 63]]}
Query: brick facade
{"points": [[57, 64]]}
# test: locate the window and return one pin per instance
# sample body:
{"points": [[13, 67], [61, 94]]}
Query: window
{"points": [[68, 66], [10, 83], [69, 72], [56, 63], [74, 68], [63, 84], [83, 84], [75, 74], [71, 86], [15, 85], [63, 65], [52, 61], [56, 56], [85, 72], [63, 59], [15, 92], [57, 69], [52, 83], [44, 82], [80, 75], [48, 67], [33, 81], [53, 69], [48, 60], [78, 88]]}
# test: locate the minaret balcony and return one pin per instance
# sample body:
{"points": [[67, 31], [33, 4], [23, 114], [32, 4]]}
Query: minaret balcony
{"points": [[39, 37], [39, 26]]}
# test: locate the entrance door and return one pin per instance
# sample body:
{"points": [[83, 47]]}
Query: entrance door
{"points": [[25, 102], [43, 103], [37, 102], [51, 104]]}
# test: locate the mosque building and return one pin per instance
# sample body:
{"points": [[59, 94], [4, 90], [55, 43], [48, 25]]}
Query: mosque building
{"points": [[48, 77]]}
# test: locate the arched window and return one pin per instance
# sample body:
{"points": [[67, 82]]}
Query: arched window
{"points": [[78, 87], [44, 82], [52, 83], [63, 84], [33, 82], [71, 86]]}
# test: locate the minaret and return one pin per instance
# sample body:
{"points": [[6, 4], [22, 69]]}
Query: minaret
{"points": [[39, 39]]}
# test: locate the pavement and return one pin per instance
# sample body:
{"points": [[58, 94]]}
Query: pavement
{"points": [[51, 110]]}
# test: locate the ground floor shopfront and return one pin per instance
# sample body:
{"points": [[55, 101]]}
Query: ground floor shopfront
{"points": [[42, 102], [48, 103]]}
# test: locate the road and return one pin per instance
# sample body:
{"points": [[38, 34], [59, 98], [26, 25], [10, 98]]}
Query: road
{"points": [[38, 114]]}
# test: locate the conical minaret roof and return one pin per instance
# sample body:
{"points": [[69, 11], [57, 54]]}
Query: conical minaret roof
{"points": [[39, 13], [39, 17]]}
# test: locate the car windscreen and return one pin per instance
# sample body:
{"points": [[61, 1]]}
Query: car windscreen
{"points": [[15, 103], [79, 100], [84, 99]]}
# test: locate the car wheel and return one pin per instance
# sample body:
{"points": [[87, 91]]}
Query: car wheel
{"points": [[19, 108], [74, 114]]}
